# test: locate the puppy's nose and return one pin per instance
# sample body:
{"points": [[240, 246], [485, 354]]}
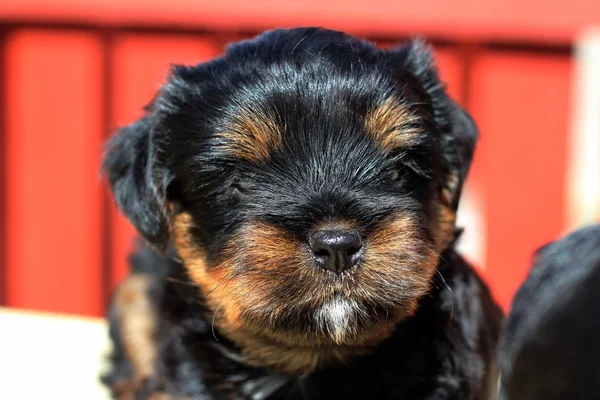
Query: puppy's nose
{"points": [[336, 250]]}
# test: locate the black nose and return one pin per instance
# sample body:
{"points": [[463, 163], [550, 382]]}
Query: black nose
{"points": [[336, 250]]}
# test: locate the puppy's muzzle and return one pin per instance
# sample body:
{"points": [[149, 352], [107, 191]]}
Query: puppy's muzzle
{"points": [[336, 250]]}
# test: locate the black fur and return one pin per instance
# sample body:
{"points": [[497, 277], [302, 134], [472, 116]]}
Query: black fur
{"points": [[316, 84], [550, 345]]}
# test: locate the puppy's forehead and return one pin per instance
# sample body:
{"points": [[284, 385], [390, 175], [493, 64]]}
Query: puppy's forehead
{"points": [[312, 112]]}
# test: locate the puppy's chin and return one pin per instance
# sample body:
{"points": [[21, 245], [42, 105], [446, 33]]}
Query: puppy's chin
{"points": [[337, 318], [333, 333], [338, 321]]}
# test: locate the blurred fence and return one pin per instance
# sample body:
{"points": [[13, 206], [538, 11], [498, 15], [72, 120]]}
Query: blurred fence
{"points": [[72, 70]]}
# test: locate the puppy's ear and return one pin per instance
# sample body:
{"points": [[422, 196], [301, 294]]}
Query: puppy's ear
{"points": [[457, 129], [459, 146], [138, 181]]}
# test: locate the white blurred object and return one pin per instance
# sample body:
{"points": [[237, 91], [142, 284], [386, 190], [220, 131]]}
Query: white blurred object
{"points": [[48, 356], [471, 217], [582, 199]]}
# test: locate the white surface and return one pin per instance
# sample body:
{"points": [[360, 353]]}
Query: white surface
{"points": [[583, 159], [47, 356], [471, 217]]}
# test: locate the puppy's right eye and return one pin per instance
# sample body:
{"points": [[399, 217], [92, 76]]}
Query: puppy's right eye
{"points": [[399, 176]]}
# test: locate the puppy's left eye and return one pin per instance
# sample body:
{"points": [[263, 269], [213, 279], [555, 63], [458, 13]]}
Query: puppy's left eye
{"points": [[237, 192]]}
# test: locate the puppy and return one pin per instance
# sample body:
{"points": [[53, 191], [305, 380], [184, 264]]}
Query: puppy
{"points": [[550, 345], [299, 194]]}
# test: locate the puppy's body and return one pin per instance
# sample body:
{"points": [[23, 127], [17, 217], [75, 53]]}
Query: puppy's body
{"points": [[550, 344], [443, 352], [307, 183]]}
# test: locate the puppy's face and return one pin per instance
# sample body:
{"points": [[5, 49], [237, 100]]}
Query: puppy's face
{"points": [[319, 224], [307, 180]]}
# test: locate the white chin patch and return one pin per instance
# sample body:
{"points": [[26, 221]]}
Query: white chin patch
{"points": [[336, 317]]}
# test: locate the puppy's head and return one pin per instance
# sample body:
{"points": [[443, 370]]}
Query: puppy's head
{"points": [[307, 179]]}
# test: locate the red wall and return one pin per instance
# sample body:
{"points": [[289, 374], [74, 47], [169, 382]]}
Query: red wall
{"points": [[139, 63], [520, 102], [54, 129], [72, 71]]}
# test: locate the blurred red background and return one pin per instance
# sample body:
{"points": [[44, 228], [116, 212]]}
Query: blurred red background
{"points": [[73, 70]]}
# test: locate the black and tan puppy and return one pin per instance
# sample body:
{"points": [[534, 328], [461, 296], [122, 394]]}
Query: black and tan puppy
{"points": [[301, 191], [550, 345]]}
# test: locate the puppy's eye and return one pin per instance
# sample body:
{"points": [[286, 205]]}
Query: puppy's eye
{"points": [[237, 192], [399, 176]]}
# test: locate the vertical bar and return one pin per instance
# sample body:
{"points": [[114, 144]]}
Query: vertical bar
{"points": [[450, 66], [54, 131], [107, 201], [582, 194], [520, 101], [3, 154], [139, 65]]}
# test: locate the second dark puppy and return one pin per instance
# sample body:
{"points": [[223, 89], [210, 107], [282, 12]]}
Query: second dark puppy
{"points": [[302, 190], [550, 346]]}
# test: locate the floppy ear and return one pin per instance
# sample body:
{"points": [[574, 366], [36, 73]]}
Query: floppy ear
{"points": [[138, 181], [458, 132], [459, 147]]}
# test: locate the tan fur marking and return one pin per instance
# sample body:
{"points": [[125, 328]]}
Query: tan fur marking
{"points": [[447, 225], [223, 289], [253, 135], [331, 224], [226, 293], [272, 241], [447, 215], [401, 235], [218, 285], [392, 231], [395, 235], [166, 396], [137, 322], [390, 124], [160, 396]]}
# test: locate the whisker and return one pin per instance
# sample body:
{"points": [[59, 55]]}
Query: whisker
{"points": [[443, 281], [439, 255], [451, 297], [212, 327], [298, 44]]}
